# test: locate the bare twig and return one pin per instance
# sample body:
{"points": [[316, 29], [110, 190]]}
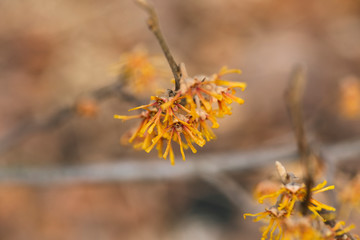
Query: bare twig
{"points": [[61, 115], [294, 96], [156, 170], [153, 24], [233, 191]]}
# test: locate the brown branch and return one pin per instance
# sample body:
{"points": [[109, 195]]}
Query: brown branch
{"points": [[61, 116], [233, 191], [153, 24], [294, 96], [125, 170]]}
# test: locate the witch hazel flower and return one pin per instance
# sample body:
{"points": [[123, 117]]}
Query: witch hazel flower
{"points": [[186, 116], [286, 221]]}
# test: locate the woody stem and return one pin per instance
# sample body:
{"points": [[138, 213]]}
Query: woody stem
{"points": [[153, 24]]}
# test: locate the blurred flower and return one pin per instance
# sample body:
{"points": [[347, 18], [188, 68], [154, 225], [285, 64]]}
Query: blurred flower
{"points": [[293, 192], [350, 97], [86, 108], [266, 187], [307, 227], [288, 219], [339, 231], [140, 72], [350, 194], [287, 196]]}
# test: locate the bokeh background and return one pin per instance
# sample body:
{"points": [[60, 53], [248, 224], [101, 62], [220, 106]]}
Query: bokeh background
{"points": [[53, 53]]}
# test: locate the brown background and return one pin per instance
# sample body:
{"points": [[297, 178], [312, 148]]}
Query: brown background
{"points": [[54, 52]]}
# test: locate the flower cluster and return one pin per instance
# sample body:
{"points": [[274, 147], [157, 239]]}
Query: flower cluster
{"points": [[285, 216], [183, 116]]}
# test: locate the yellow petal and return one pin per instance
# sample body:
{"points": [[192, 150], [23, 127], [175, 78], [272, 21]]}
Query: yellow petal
{"points": [[147, 142], [190, 144], [345, 230], [319, 186], [322, 205], [156, 121], [199, 141], [261, 199], [291, 206], [159, 147], [206, 104], [208, 134], [213, 94], [265, 233], [170, 102], [312, 209], [214, 122], [225, 70], [168, 115], [155, 140], [274, 228], [190, 101], [325, 189], [236, 99], [181, 147], [136, 133], [227, 99], [124, 118], [168, 145], [172, 156], [255, 215], [142, 106], [230, 84], [278, 237], [166, 105]]}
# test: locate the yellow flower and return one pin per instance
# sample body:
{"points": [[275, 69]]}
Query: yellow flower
{"points": [[304, 227], [140, 71], [184, 115], [275, 217], [173, 132], [292, 192], [339, 230], [290, 222]]}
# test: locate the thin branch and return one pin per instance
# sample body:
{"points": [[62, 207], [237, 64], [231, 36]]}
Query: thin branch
{"points": [[233, 191], [153, 24], [294, 96], [126, 170], [61, 116]]}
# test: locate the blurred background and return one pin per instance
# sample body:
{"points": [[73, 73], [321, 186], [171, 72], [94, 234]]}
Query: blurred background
{"points": [[54, 53]]}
